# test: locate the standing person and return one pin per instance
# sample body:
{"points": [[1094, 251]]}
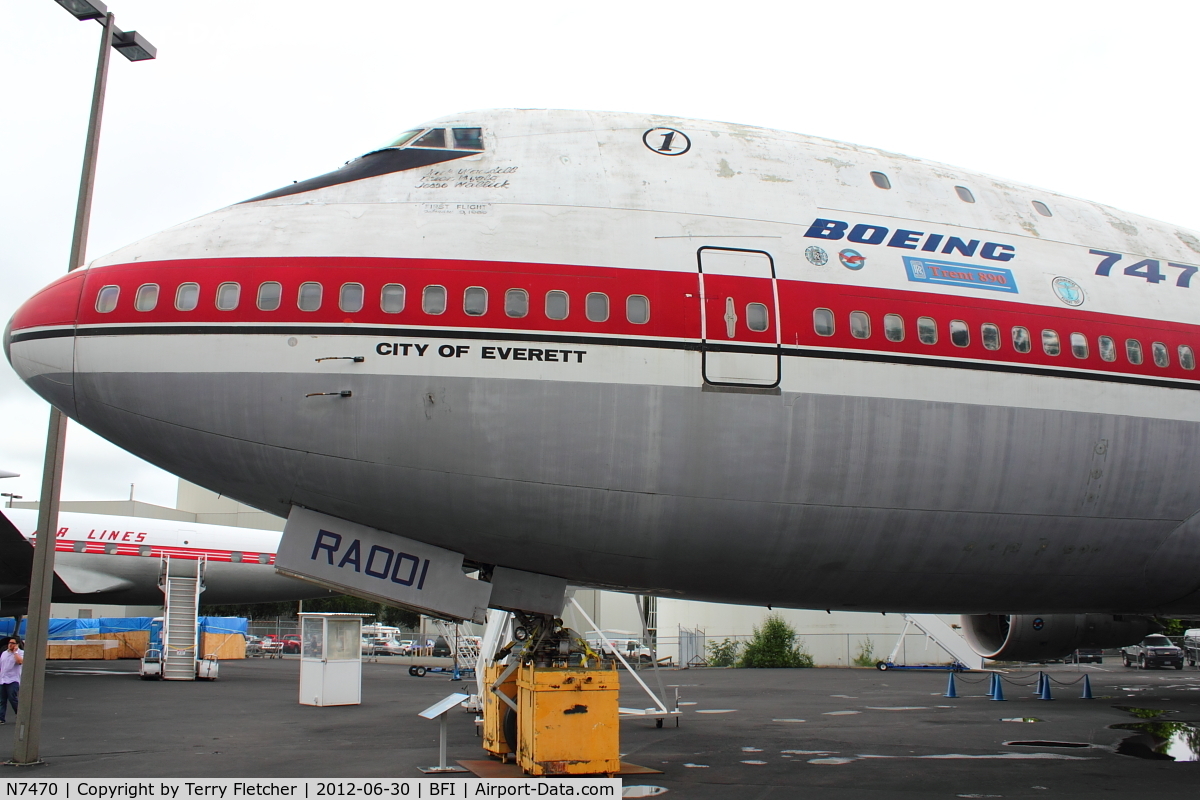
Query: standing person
{"points": [[10, 676]]}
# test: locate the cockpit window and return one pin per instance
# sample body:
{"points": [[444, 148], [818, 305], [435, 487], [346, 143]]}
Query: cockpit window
{"points": [[405, 138], [468, 138], [435, 138]]}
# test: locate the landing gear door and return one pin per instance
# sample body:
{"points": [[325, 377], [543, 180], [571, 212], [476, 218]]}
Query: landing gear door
{"points": [[739, 317]]}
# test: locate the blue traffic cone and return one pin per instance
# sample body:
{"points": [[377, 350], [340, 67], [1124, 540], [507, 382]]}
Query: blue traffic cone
{"points": [[1040, 683], [1087, 688], [950, 691], [998, 689], [991, 692], [1045, 693]]}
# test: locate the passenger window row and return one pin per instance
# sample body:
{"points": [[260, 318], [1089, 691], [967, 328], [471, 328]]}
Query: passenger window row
{"points": [[352, 297], [882, 181], [990, 337]]}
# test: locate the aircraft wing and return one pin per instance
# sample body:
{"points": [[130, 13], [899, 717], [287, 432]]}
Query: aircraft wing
{"points": [[16, 559]]}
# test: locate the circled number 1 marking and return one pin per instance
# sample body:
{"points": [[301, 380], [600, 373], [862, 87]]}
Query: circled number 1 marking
{"points": [[667, 141]]}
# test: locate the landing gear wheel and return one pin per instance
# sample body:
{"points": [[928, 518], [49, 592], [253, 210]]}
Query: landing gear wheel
{"points": [[520, 634], [412, 671], [508, 728], [419, 671], [881, 666]]}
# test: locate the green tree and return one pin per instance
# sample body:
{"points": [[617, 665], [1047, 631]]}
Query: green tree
{"points": [[724, 653], [774, 645]]}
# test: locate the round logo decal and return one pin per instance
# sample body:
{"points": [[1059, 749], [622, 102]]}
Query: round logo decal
{"points": [[667, 141], [1068, 291], [852, 259], [816, 256], [1038, 623]]}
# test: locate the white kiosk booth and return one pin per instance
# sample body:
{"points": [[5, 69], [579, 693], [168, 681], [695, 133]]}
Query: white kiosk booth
{"points": [[330, 659]]}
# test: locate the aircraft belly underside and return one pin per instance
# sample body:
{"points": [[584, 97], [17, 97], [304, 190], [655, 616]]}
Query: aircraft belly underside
{"points": [[793, 499]]}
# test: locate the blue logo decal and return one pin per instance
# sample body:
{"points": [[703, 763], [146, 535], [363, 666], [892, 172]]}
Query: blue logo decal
{"points": [[1068, 291], [852, 259], [949, 273]]}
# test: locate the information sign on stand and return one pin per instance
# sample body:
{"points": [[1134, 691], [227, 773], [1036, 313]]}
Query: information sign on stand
{"points": [[330, 659]]}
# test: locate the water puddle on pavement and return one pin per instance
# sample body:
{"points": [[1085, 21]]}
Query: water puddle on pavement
{"points": [[1020, 719], [1040, 743], [1157, 739]]}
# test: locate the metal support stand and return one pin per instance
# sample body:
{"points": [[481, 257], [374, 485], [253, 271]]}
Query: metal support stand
{"points": [[438, 711]]}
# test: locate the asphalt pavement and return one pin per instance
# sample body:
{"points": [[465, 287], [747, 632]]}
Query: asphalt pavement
{"points": [[812, 733]]}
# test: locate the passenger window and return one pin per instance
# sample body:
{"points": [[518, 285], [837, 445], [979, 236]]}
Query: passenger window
{"points": [[823, 321], [989, 334], [1158, 351], [475, 301], [269, 296], [391, 299], [468, 138], [309, 298], [187, 296], [433, 300], [106, 301], [147, 297], [893, 327], [350, 300], [1021, 341], [435, 138], [263, 558], [880, 180], [926, 330], [860, 325], [1079, 345], [79, 547], [1042, 208], [757, 318], [1186, 359], [1108, 348], [1051, 346], [637, 309], [235, 557], [557, 305], [516, 303], [228, 295], [964, 194], [1133, 351], [111, 548], [596, 307], [959, 335], [144, 550]]}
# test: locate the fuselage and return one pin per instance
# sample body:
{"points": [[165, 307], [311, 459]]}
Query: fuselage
{"points": [[687, 358]]}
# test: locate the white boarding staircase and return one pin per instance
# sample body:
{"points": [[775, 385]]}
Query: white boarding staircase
{"points": [[943, 636], [182, 581], [465, 650]]}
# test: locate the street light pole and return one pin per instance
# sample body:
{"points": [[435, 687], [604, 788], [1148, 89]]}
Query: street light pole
{"points": [[33, 679]]}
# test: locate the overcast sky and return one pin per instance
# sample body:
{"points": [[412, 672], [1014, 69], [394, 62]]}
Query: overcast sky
{"points": [[1093, 99]]}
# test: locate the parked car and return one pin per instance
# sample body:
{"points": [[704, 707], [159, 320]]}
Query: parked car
{"points": [[1155, 650], [1191, 646], [1086, 655], [291, 643], [253, 645], [385, 646]]}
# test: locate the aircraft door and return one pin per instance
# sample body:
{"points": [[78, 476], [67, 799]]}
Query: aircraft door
{"points": [[739, 317]]}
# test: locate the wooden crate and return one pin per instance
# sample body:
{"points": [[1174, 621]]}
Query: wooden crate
{"points": [[131, 644], [226, 646]]}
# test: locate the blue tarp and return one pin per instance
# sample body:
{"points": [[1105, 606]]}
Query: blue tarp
{"points": [[81, 628]]}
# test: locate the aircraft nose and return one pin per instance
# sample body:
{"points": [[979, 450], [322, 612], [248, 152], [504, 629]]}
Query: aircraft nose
{"points": [[39, 341]]}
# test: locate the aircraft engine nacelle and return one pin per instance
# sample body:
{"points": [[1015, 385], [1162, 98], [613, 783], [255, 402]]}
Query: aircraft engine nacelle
{"points": [[1032, 637]]}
